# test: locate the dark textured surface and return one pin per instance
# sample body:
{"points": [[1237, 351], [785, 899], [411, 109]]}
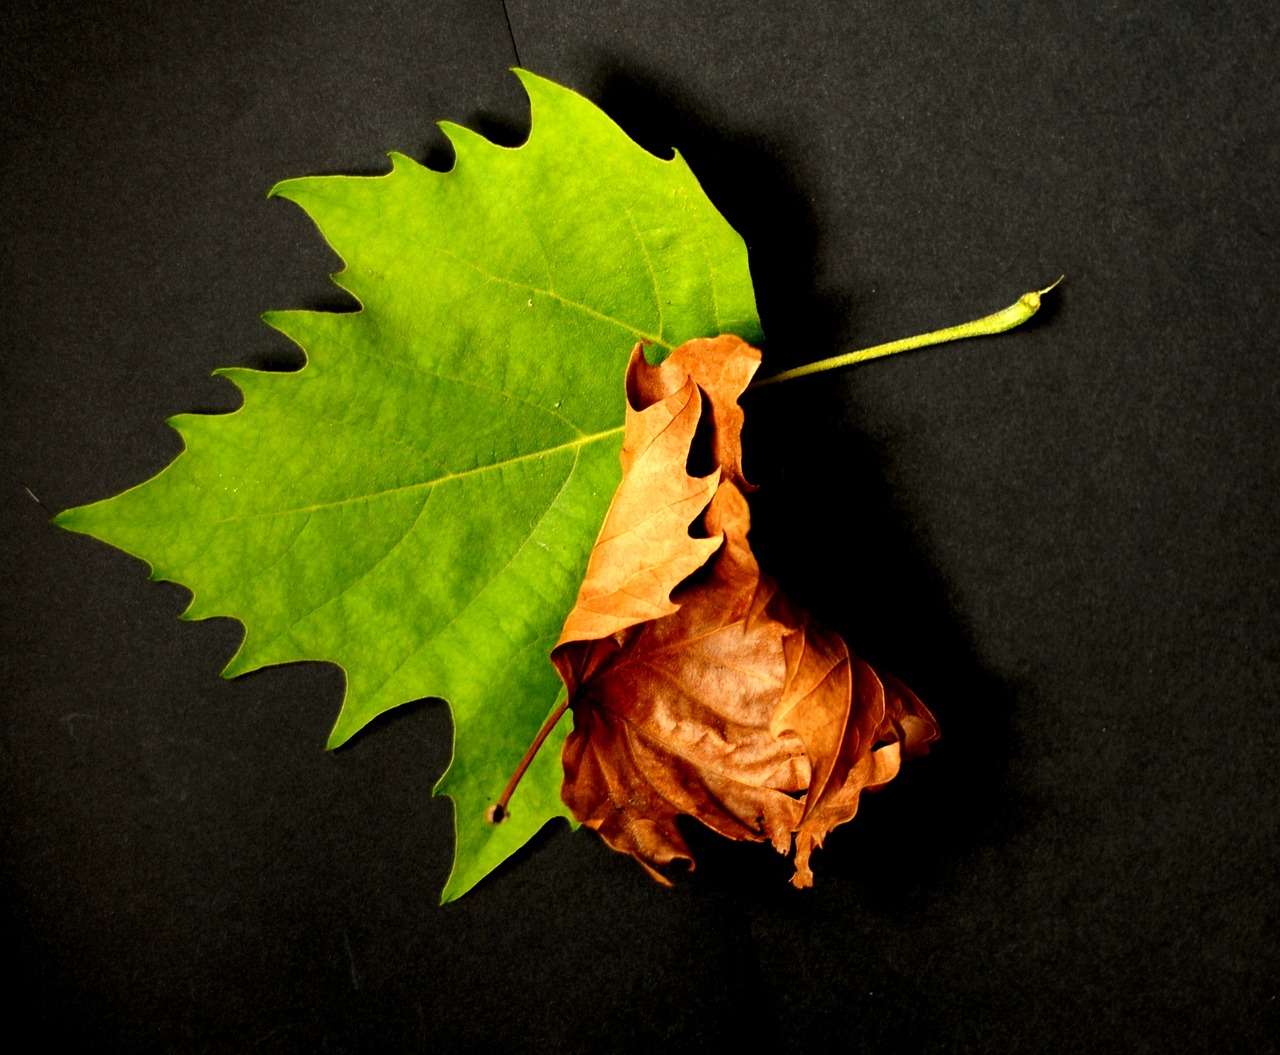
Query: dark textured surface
{"points": [[1064, 539]]}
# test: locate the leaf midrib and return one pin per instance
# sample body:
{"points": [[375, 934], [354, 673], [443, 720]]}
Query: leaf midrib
{"points": [[571, 445]]}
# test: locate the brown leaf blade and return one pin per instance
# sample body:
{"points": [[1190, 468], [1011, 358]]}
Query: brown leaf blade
{"points": [[697, 686]]}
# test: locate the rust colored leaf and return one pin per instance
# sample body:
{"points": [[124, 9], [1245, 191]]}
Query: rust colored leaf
{"points": [[697, 687]]}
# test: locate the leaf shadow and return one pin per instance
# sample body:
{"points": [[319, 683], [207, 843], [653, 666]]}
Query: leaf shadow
{"points": [[832, 531], [870, 577]]}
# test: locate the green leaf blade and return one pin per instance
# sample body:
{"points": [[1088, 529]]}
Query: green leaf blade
{"points": [[417, 503]]}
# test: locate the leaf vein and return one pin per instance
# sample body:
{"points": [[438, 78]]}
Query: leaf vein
{"points": [[436, 635], [239, 587], [465, 382], [651, 338], [648, 263], [288, 629], [572, 445]]}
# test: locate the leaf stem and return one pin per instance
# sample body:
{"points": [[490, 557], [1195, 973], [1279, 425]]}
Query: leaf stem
{"points": [[1014, 315], [498, 811]]}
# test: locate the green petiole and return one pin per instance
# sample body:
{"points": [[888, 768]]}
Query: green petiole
{"points": [[1014, 315]]}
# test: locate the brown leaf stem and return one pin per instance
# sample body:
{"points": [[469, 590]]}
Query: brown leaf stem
{"points": [[497, 813]]}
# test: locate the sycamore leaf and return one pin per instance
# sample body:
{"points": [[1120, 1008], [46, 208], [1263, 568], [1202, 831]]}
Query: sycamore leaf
{"points": [[722, 700], [417, 503]]}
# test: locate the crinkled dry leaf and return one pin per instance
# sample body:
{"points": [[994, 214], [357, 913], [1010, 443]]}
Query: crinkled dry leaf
{"points": [[697, 686]]}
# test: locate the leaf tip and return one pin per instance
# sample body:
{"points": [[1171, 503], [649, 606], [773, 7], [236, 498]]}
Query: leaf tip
{"points": [[339, 735], [78, 519], [234, 667], [541, 91], [526, 77], [289, 189], [277, 320], [180, 423]]}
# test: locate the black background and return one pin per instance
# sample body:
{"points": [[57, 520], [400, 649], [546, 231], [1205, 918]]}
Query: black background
{"points": [[1065, 538]]}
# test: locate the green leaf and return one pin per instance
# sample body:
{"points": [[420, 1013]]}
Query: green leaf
{"points": [[418, 502]]}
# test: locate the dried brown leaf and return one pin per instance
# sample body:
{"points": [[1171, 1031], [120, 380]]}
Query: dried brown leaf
{"points": [[698, 688]]}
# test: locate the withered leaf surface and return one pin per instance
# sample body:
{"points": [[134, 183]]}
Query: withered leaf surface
{"points": [[697, 686]]}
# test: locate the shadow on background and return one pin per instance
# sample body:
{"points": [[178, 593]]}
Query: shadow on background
{"points": [[826, 525]]}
